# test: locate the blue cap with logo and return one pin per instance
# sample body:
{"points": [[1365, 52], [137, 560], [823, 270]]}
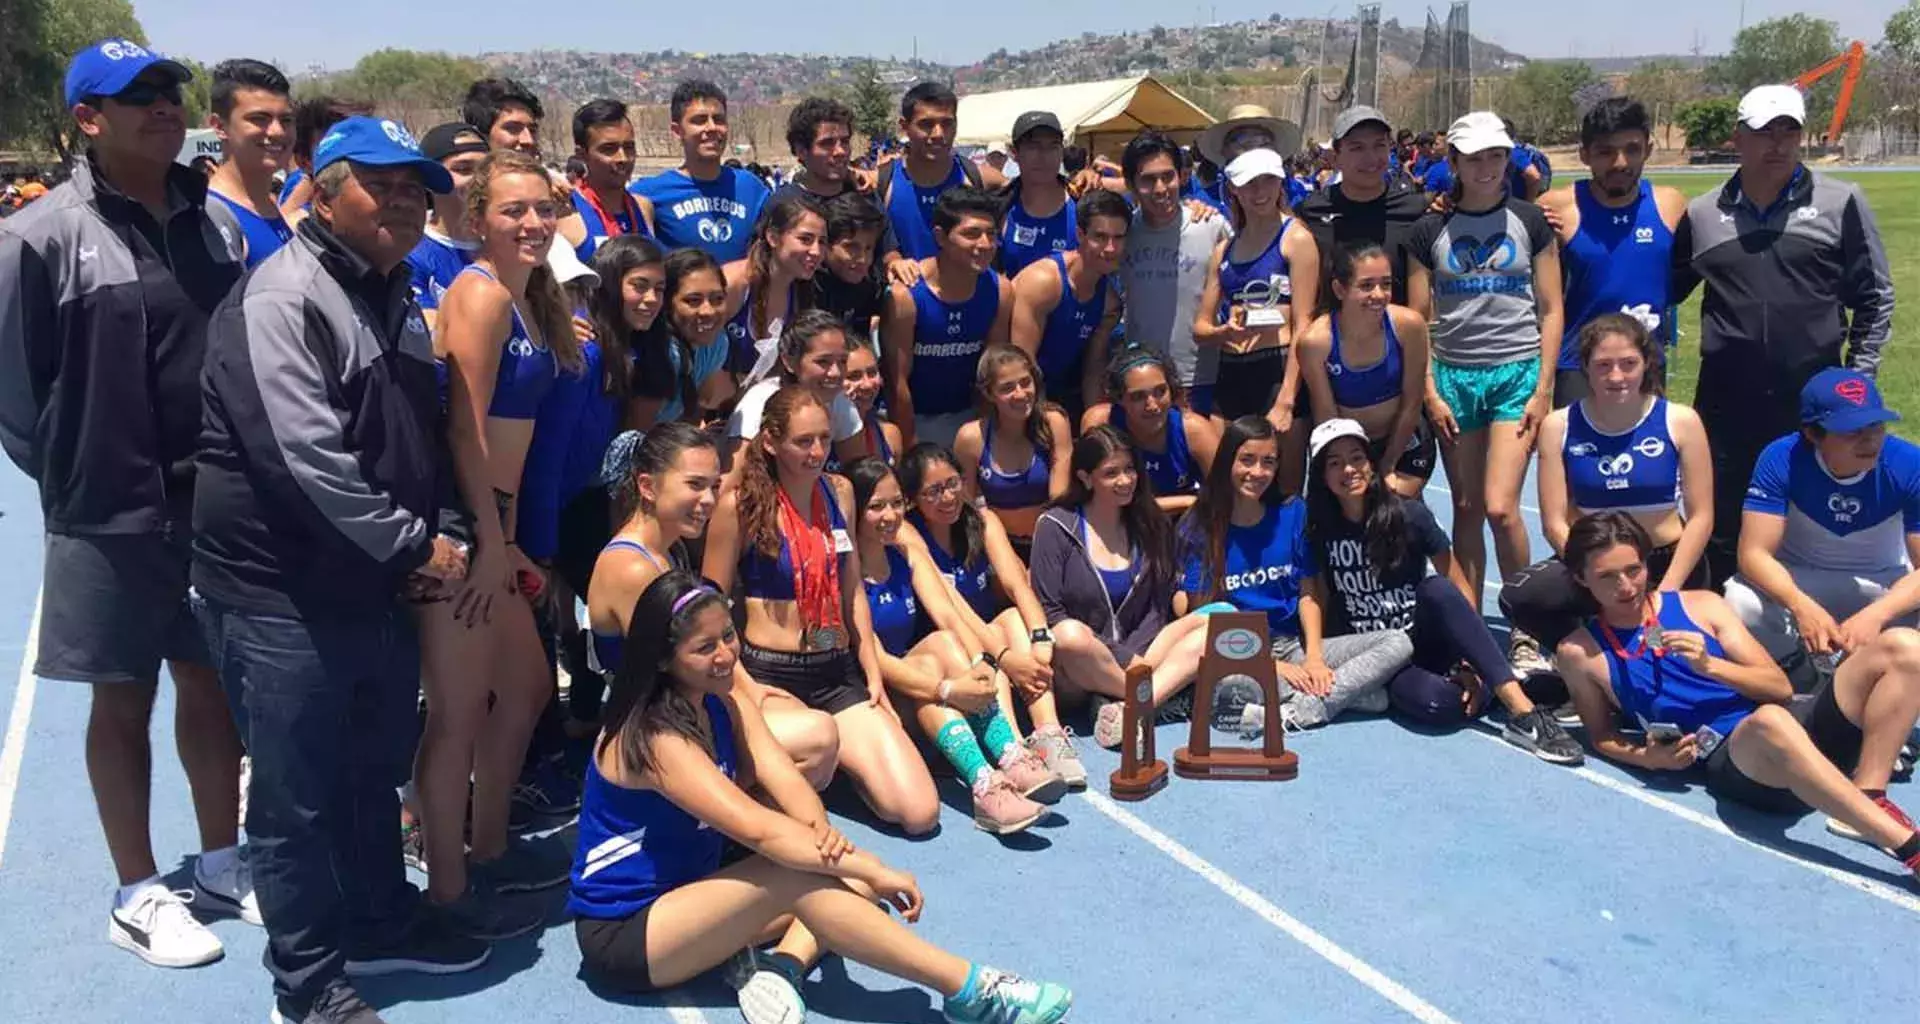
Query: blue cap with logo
{"points": [[1841, 401], [110, 65], [378, 142]]}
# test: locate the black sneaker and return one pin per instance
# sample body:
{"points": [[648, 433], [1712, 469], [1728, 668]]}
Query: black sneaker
{"points": [[430, 943], [492, 916], [1537, 733], [544, 797], [1177, 708], [339, 1004], [528, 865]]}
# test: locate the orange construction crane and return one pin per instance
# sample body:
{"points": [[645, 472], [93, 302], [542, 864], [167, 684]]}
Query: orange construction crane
{"points": [[1854, 60]]}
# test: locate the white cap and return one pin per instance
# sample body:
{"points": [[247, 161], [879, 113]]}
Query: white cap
{"points": [[1255, 163], [1333, 430], [1481, 129], [566, 265], [997, 147], [1764, 104]]}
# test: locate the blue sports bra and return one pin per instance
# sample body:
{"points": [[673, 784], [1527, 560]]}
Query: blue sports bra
{"points": [[527, 371], [896, 615], [771, 579], [1357, 387], [969, 581], [607, 647], [1118, 582], [1172, 470], [1636, 471], [1010, 490]]}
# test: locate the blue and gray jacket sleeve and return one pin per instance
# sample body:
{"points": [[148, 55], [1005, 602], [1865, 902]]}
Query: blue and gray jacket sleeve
{"points": [[29, 353], [1866, 286], [295, 436]]}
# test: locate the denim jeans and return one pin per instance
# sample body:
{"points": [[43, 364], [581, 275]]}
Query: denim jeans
{"points": [[326, 707]]}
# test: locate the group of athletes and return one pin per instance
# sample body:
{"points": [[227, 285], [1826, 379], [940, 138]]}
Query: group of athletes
{"points": [[891, 469]]}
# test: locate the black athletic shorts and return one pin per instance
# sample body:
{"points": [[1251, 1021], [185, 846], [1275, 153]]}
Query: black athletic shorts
{"points": [[1836, 737], [114, 606], [1248, 384], [830, 681], [614, 952], [1417, 460]]}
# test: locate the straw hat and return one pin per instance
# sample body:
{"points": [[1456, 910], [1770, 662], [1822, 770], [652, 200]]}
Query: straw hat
{"points": [[1212, 144]]}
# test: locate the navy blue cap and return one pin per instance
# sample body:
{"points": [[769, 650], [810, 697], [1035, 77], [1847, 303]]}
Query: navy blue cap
{"points": [[378, 142], [110, 65], [1841, 401]]}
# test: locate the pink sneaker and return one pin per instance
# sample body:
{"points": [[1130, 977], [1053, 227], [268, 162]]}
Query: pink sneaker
{"points": [[1031, 776], [1000, 809]]}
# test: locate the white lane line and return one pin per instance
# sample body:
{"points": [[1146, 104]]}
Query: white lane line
{"points": [[1442, 488], [1878, 890], [14, 747], [681, 1011], [1356, 968]]}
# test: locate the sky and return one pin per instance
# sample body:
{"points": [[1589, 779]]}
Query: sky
{"points": [[335, 33]]}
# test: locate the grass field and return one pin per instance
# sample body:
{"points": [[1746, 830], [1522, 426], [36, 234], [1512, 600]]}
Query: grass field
{"points": [[1895, 200]]}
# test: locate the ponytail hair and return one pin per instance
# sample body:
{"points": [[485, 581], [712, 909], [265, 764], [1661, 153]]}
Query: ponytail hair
{"points": [[656, 454], [546, 300], [779, 217], [759, 478]]}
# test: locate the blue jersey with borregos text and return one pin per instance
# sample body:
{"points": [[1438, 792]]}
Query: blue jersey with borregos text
{"points": [[947, 340], [715, 216], [1858, 524]]}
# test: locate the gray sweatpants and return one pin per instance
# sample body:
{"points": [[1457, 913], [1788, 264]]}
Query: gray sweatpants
{"points": [[1362, 664], [1840, 593]]}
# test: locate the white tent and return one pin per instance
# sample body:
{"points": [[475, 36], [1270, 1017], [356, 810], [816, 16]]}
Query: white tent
{"points": [[1101, 116]]}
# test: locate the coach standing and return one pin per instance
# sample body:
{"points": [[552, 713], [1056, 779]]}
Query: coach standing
{"points": [[320, 461], [105, 288], [1794, 271]]}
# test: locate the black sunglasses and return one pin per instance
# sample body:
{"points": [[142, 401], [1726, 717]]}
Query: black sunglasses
{"points": [[145, 94]]}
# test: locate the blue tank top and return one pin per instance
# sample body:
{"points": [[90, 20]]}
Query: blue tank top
{"points": [[636, 845], [607, 647], [896, 614], [771, 579], [876, 445], [293, 180], [1261, 282], [1357, 387], [1117, 582], [947, 339], [910, 209], [1634, 471], [527, 371], [969, 581], [1025, 489], [1027, 239], [1663, 687], [626, 221], [742, 346], [1617, 262], [264, 237], [1063, 339], [1172, 470]]}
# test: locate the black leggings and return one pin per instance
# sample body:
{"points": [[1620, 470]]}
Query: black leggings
{"points": [[1445, 630]]}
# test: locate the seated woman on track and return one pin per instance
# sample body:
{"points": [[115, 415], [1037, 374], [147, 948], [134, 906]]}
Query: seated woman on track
{"points": [[1175, 445], [1014, 457], [670, 782], [1681, 664], [784, 536], [1246, 545], [664, 497], [1373, 548], [1104, 569], [1367, 361], [813, 355], [995, 595], [878, 437], [943, 677], [1624, 448]]}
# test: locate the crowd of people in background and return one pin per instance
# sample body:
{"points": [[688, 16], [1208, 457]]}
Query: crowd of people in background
{"points": [[899, 466]]}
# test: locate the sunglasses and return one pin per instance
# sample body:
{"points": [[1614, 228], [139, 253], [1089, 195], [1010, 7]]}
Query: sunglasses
{"points": [[145, 94]]}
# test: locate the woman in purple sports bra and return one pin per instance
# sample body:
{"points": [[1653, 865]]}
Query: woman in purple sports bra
{"points": [[1014, 457]]}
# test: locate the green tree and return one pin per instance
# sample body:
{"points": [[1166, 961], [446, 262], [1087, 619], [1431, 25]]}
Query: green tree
{"points": [[1890, 89], [1709, 123], [1779, 50], [1542, 99], [1902, 34], [41, 38], [872, 102], [411, 82]]}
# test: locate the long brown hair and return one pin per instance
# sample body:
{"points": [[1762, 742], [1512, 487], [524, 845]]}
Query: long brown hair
{"points": [[1207, 522], [546, 299], [778, 218], [759, 483], [999, 355], [1146, 524], [1630, 327]]}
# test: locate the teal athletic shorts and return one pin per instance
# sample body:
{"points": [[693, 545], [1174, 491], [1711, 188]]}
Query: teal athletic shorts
{"points": [[1481, 396]]}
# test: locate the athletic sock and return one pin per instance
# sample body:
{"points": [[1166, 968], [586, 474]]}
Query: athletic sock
{"points": [[125, 894], [995, 731], [971, 990], [1908, 850], [212, 862], [956, 741], [788, 965]]}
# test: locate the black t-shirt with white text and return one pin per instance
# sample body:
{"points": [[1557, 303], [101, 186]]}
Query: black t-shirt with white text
{"points": [[1358, 599]]}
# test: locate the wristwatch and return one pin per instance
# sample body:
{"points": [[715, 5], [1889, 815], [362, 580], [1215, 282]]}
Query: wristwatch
{"points": [[1043, 635]]}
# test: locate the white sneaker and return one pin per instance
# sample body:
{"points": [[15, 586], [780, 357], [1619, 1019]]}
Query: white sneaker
{"points": [[157, 927], [229, 890]]}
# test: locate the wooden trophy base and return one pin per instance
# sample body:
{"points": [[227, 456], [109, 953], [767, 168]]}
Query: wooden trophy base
{"points": [[1138, 785], [1247, 763]]}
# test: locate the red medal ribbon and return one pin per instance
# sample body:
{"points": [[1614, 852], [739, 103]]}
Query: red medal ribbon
{"points": [[1640, 648], [613, 226], [816, 567]]}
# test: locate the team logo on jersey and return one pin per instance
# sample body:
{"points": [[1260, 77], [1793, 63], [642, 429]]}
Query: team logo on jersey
{"points": [[1496, 253], [1854, 391], [1645, 314], [1643, 236], [1025, 234], [956, 322], [1651, 447], [1583, 449], [1335, 369], [1806, 213], [1615, 469], [1623, 218], [714, 232], [1844, 507], [520, 345]]}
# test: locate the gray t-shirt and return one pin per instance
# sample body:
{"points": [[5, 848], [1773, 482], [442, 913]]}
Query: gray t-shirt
{"points": [[1481, 265], [1164, 271]]}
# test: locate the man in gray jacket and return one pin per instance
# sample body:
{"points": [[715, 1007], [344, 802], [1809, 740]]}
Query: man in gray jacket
{"points": [[1794, 273]]}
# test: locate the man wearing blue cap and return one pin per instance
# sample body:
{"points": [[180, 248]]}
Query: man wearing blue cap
{"points": [[1831, 525], [105, 289], [320, 466]]}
